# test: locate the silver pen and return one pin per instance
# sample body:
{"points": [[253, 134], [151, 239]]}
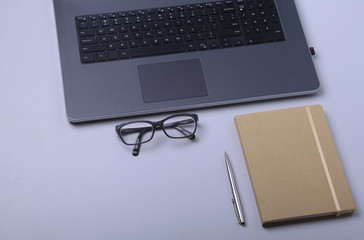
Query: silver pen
{"points": [[236, 200]]}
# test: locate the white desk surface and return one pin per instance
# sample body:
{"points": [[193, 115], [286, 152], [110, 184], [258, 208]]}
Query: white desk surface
{"points": [[61, 181]]}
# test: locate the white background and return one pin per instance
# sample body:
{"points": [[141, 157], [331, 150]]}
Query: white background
{"points": [[61, 181]]}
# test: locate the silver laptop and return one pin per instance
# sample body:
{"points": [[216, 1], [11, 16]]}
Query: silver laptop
{"points": [[130, 57]]}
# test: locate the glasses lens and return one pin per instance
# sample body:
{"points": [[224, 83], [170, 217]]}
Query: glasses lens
{"points": [[136, 133], [180, 127]]}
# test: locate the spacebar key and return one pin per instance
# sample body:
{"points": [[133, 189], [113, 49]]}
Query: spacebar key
{"points": [[157, 50]]}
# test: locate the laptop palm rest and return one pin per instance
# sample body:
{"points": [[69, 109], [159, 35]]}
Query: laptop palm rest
{"points": [[172, 80]]}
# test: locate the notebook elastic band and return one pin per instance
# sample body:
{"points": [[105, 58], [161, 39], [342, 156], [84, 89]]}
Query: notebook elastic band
{"points": [[323, 160]]}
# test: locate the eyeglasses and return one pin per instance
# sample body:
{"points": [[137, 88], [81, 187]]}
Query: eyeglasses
{"points": [[139, 132]]}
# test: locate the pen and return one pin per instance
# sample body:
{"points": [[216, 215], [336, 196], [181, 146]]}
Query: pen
{"points": [[236, 200]]}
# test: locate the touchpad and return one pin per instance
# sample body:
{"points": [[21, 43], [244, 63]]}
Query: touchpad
{"points": [[172, 80]]}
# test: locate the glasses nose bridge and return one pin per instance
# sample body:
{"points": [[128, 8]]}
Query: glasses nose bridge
{"points": [[158, 125]]}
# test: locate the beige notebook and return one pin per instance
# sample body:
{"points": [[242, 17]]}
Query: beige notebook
{"points": [[294, 168]]}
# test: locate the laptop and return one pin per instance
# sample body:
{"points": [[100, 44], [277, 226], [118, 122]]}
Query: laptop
{"points": [[134, 57]]}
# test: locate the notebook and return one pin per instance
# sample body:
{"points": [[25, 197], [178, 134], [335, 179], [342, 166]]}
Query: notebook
{"points": [[293, 164], [128, 58]]}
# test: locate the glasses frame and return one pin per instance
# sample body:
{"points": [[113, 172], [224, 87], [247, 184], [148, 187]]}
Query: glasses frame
{"points": [[159, 125]]}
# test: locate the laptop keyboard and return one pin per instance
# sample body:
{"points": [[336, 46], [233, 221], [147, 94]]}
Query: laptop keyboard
{"points": [[184, 28]]}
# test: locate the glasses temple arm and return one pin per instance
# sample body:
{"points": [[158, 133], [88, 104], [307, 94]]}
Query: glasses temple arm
{"points": [[185, 132], [137, 144]]}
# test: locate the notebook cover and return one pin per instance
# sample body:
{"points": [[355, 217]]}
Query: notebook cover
{"points": [[293, 164]]}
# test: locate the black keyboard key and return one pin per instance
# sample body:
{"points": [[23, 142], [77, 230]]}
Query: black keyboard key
{"points": [[82, 19], [171, 32], [115, 38], [269, 37], [126, 36], [277, 28], [229, 3], [167, 40], [177, 39], [273, 16], [255, 39], [112, 55], [82, 25], [267, 29], [171, 16], [138, 19], [203, 28], [202, 45], [115, 22], [133, 43], [160, 17], [88, 58], [88, 40], [149, 18], [229, 33], [123, 29], [191, 46], [112, 30], [213, 44], [105, 23], [87, 33], [122, 45], [279, 36], [148, 34], [244, 15], [229, 25], [92, 48], [157, 50], [137, 35], [156, 41], [156, 25], [144, 42], [264, 21], [126, 20], [133, 28], [94, 24], [225, 42], [269, 4], [189, 37], [200, 36], [198, 6], [145, 26], [111, 46], [257, 30], [248, 31], [178, 23], [253, 14], [237, 41], [211, 35], [123, 54], [92, 17], [104, 39], [101, 56], [122, 14], [101, 31], [228, 10], [160, 33], [151, 11]]}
